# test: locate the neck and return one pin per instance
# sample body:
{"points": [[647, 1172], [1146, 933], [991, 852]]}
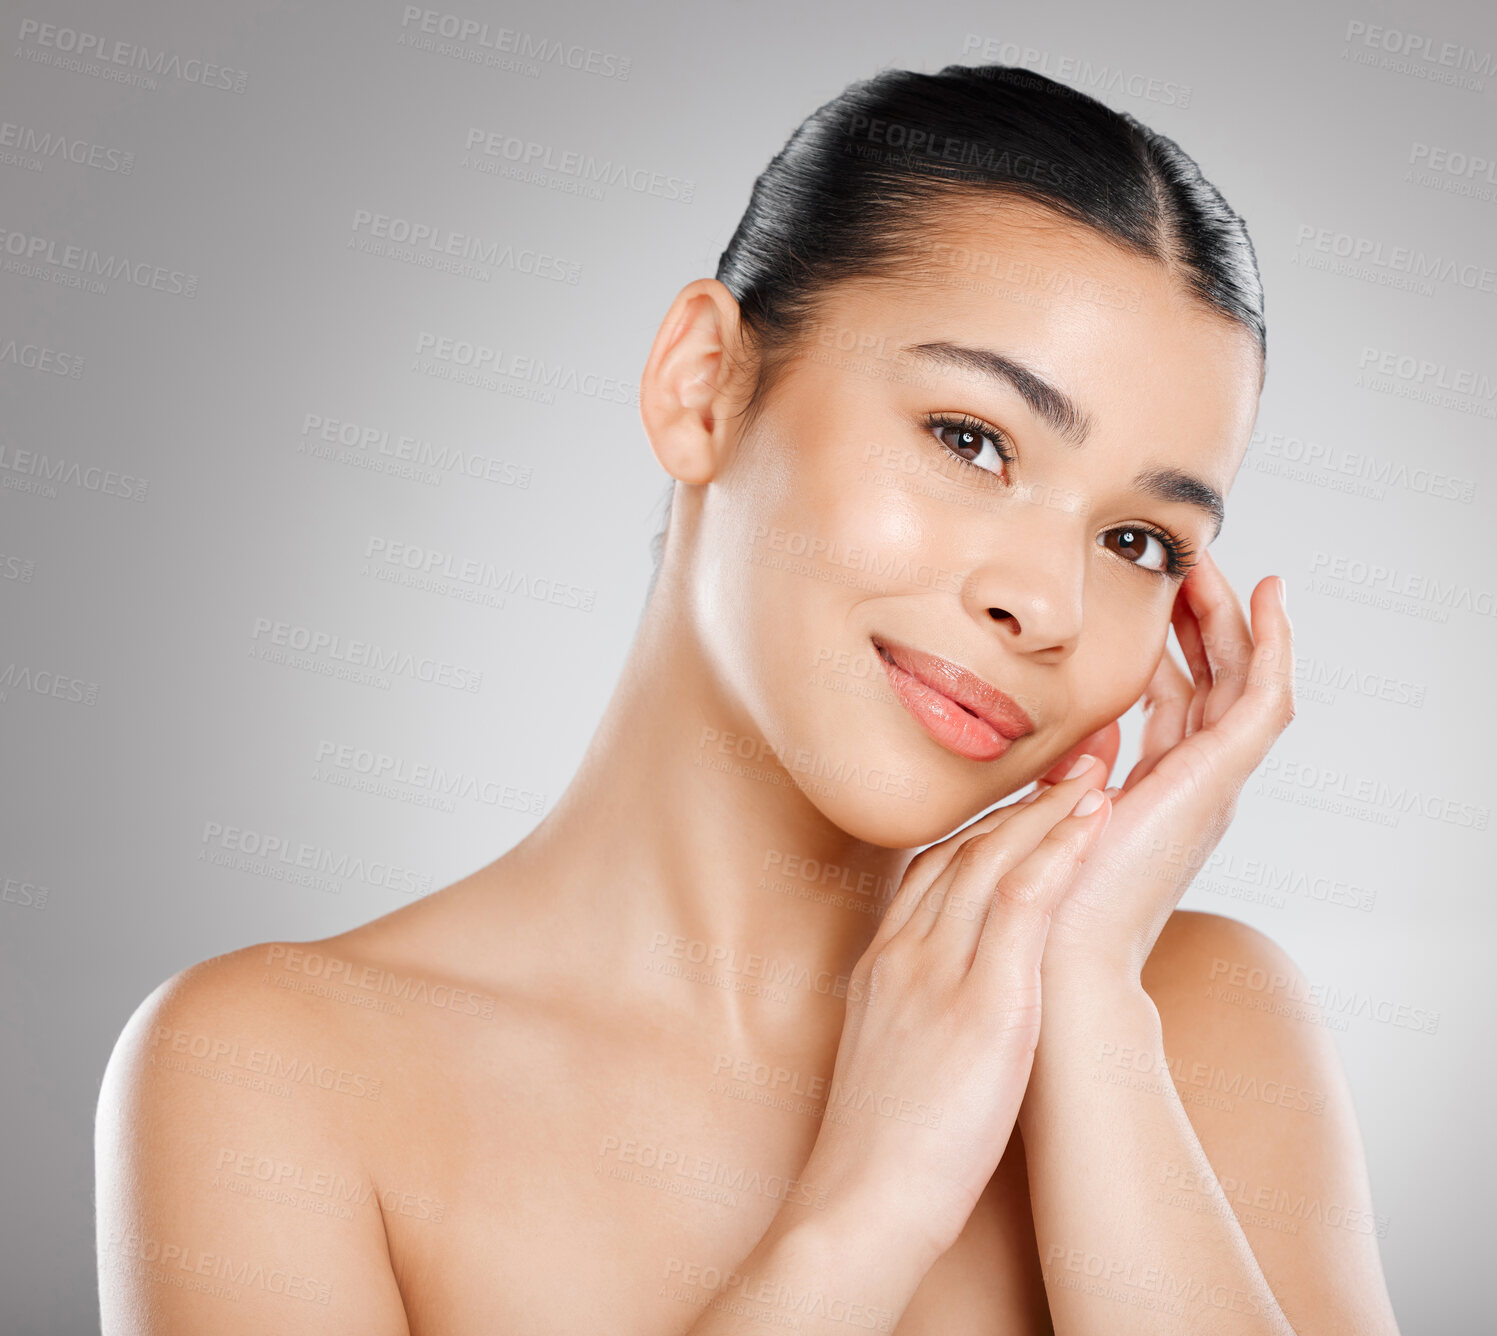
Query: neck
{"points": [[687, 873]]}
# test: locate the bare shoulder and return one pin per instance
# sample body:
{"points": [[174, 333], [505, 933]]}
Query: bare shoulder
{"points": [[1196, 949], [253, 1140], [233, 1024], [233, 1192], [1230, 997], [1262, 1083]]}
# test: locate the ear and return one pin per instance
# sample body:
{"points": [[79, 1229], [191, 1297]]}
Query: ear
{"points": [[689, 390]]}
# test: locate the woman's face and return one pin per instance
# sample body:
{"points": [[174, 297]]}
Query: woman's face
{"points": [[869, 510]]}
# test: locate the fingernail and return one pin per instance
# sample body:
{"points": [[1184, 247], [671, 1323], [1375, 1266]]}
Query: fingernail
{"points": [[1083, 764], [1090, 801], [1283, 592]]}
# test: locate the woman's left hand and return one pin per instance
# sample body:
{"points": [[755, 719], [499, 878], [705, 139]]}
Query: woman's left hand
{"points": [[1202, 739]]}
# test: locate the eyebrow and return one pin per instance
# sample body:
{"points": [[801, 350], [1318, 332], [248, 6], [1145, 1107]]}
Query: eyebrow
{"points": [[1070, 422]]}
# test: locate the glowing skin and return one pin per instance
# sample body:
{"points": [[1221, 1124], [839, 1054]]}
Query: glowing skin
{"points": [[714, 895], [1166, 386]]}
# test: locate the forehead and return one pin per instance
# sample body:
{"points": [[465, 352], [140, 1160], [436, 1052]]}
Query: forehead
{"points": [[1120, 333]]}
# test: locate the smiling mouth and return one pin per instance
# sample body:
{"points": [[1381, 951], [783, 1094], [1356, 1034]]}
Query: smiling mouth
{"points": [[885, 656], [888, 659], [963, 712]]}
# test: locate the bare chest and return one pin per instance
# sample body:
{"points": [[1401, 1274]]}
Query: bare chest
{"points": [[564, 1188]]}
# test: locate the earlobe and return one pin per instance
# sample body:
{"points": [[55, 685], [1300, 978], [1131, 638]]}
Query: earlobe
{"points": [[686, 394]]}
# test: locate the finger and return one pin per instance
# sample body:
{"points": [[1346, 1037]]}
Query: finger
{"points": [[1007, 950], [1266, 704], [931, 863], [1224, 634], [1188, 634], [1103, 742], [1166, 709], [923, 869], [951, 912]]}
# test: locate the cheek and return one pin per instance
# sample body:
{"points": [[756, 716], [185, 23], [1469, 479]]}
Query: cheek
{"points": [[883, 523], [850, 535], [1119, 661]]}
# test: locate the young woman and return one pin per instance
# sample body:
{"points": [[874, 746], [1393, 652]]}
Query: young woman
{"points": [[714, 1047]]}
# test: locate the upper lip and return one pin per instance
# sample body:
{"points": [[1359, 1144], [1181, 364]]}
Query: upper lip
{"points": [[966, 688]]}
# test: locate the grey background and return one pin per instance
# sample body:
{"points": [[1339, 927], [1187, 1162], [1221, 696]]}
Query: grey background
{"points": [[150, 605]]}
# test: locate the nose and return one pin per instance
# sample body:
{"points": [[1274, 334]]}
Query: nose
{"points": [[1028, 584]]}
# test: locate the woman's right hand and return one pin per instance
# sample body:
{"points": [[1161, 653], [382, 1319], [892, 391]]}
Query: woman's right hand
{"points": [[943, 1016]]}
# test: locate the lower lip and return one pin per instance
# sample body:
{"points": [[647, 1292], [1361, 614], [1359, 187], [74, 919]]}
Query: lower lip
{"points": [[946, 721]]}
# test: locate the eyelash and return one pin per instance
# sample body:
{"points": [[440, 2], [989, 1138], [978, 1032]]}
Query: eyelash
{"points": [[1179, 554]]}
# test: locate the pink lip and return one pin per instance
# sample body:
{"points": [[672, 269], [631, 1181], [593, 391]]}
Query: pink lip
{"points": [[957, 708]]}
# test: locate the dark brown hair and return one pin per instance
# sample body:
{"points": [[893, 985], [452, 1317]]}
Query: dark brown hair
{"points": [[854, 190]]}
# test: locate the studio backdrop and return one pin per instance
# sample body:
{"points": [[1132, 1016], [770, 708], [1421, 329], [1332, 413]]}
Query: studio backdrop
{"points": [[326, 511]]}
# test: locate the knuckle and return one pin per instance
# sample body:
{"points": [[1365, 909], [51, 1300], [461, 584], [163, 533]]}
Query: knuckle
{"points": [[979, 850], [1064, 838], [1019, 893], [968, 908], [988, 851], [1021, 1016], [893, 964], [1017, 1017], [892, 977]]}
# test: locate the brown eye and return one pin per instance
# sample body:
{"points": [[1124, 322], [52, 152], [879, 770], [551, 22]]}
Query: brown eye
{"points": [[966, 442], [1137, 545]]}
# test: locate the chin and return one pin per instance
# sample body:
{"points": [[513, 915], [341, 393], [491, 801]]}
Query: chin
{"points": [[893, 823], [872, 771], [888, 800]]}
